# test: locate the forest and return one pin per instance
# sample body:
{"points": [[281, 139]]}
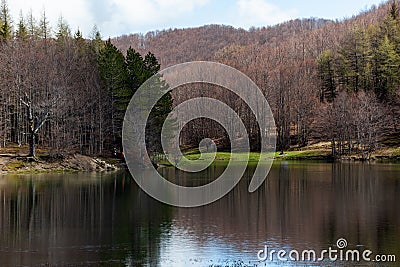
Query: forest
{"points": [[326, 81], [63, 92]]}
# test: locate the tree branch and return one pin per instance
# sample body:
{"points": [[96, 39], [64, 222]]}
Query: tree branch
{"points": [[23, 102], [41, 122]]}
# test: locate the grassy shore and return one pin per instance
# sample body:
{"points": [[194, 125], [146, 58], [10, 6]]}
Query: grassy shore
{"points": [[319, 151], [14, 160]]}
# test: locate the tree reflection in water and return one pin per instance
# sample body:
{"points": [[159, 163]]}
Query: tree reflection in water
{"points": [[92, 219]]}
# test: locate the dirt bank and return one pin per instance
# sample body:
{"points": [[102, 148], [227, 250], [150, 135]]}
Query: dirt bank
{"points": [[22, 164]]}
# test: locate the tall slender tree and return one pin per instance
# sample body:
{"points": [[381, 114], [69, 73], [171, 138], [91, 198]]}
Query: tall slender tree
{"points": [[22, 31], [44, 29], [5, 21], [63, 29]]}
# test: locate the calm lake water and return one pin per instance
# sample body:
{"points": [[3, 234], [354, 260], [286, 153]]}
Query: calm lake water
{"points": [[105, 219]]}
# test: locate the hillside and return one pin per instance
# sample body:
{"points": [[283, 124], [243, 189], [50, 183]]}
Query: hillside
{"points": [[181, 45], [308, 70], [174, 46]]}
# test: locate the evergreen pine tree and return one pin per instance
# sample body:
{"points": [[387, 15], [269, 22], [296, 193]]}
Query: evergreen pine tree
{"points": [[388, 68], [151, 64], [157, 117], [96, 43], [22, 32], [394, 11], [44, 29], [78, 35], [113, 72], [353, 61], [136, 70], [31, 25], [161, 110], [63, 30], [6, 21], [390, 27], [327, 76]]}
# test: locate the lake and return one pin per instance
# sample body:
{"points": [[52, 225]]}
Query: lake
{"points": [[85, 219]]}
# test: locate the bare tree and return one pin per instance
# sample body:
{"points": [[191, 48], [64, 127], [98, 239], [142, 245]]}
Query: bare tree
{"points": [[36, 121]]}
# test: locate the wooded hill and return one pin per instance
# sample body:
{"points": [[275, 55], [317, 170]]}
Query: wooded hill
{"points": [[334, 81], [325, 80]]}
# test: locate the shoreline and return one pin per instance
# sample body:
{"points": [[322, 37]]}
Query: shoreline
{"points": [[17, 164], [316, 152], [14, 163]]}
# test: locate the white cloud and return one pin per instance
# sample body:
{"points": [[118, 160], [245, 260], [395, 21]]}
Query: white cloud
{"points": [[116, 17], [74, 11], [113, 17], [134, 15], [261, 13]]}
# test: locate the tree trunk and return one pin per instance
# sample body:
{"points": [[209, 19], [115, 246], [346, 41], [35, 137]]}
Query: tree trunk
{"points": [[34, 125], [32, 144]]}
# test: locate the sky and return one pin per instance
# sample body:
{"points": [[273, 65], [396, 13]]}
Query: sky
{"points": [[117, 17]]}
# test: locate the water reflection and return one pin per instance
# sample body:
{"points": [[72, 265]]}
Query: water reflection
{"points": [[78, 219], [94, 219]]}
